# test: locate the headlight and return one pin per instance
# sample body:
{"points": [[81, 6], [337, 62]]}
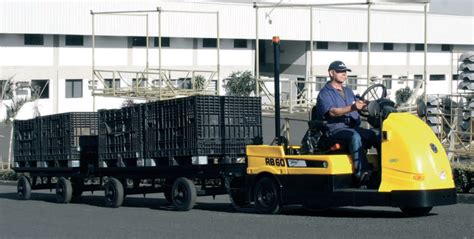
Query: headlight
{"points": [[442, 175]]}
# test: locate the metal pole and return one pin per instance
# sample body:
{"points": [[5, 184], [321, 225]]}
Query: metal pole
{"points": [[93, 61], [219, 83], [147, 48], [311, 54], [311, 42], [159, 51], [257, 51], [368, 43], [425, 76], [276, 64]]}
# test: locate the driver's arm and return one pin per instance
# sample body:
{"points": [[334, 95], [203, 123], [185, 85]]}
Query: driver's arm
{"points": [[336, 112]]}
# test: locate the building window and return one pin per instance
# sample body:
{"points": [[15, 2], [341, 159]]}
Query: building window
{"points": [[446, 47], [109, 83], [141, 80], [353, 46], [240, 43], [320, 81], [40, 89], [209, 42], [387, 81], [34, 39], [455, 77], [419, 47], [138, 41], [322, 45], [388, 46], [436, 77], [74, 88], [352, 82], [165, 42], [74, 40]]}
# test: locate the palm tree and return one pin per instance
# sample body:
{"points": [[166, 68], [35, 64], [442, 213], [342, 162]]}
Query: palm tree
{"points": [[14, 105]]}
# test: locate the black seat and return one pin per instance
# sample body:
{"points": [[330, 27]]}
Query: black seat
{"points": [[316, 141]]}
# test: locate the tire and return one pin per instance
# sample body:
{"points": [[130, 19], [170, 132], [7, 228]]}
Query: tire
{"points": [[63, 190], [24, 188], [416, 211], [183, 194], [114, 193], [267, 196]]}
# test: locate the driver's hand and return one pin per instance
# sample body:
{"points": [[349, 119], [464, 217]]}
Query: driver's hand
{"points": [[359, 105]]}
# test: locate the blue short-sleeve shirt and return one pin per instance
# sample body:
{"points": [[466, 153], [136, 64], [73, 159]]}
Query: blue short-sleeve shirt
{"points": [[328, 98]]}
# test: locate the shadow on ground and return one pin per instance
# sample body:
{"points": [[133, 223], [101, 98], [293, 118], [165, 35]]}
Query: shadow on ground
{"points": [[97, 200]]}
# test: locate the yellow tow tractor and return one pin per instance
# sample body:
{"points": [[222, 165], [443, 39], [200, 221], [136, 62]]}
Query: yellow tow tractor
{"points": [[414, 171]]}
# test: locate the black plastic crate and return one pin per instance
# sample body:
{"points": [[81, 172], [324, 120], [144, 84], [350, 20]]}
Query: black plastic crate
{"points": [[242, 123], [26, 140], [184, 127], [121, 133], [60, 135]]}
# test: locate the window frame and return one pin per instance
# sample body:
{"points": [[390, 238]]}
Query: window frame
{"points": [[72, 40], [29, 40], [45, 89], [443, 76], [419, 47], [387, 83], [165, 42], [240, 43], [387, 46], [72, 91], [209, 43], [322, 45], [350, 46], [135, 40], [443, 47], [110, 81]]}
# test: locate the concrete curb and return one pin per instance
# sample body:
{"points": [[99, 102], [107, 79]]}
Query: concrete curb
{"points": [[466, 198], [4, 182]]}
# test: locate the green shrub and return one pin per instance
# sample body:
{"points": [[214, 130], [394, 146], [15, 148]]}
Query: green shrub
{"points": [[240, 83], [402, 95], [8, 175]]}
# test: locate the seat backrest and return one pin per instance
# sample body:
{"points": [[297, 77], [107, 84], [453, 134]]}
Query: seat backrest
{"points": [[316, 124]]}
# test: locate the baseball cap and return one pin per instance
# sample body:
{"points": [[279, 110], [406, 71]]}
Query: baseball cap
{"points": [[338, 66]]}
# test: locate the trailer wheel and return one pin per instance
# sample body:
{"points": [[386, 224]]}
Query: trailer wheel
{"points": [[183, 194], [24, 188], [114, 193], [267, 198], [63, 190], [416, 211]]}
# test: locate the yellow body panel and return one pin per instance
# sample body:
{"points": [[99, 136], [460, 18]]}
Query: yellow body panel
{"points": [[272, 159], [408, 160]]}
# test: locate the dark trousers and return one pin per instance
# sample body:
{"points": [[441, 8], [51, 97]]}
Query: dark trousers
{"points": [[357, 140]]}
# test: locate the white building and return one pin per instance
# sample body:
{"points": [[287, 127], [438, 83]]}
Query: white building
{"points": [[49, 43]]}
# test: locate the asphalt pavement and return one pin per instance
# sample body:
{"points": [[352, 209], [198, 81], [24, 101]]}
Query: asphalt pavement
{"points": [[153, 217]]}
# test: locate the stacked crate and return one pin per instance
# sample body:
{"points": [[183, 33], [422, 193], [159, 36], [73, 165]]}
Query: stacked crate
{"points": [[26, 143], [54, 141], [121, 136], [242, 123], [183, 127]]}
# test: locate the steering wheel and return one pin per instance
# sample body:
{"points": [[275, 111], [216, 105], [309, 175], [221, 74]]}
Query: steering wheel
{"points": [[373, 93]]}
